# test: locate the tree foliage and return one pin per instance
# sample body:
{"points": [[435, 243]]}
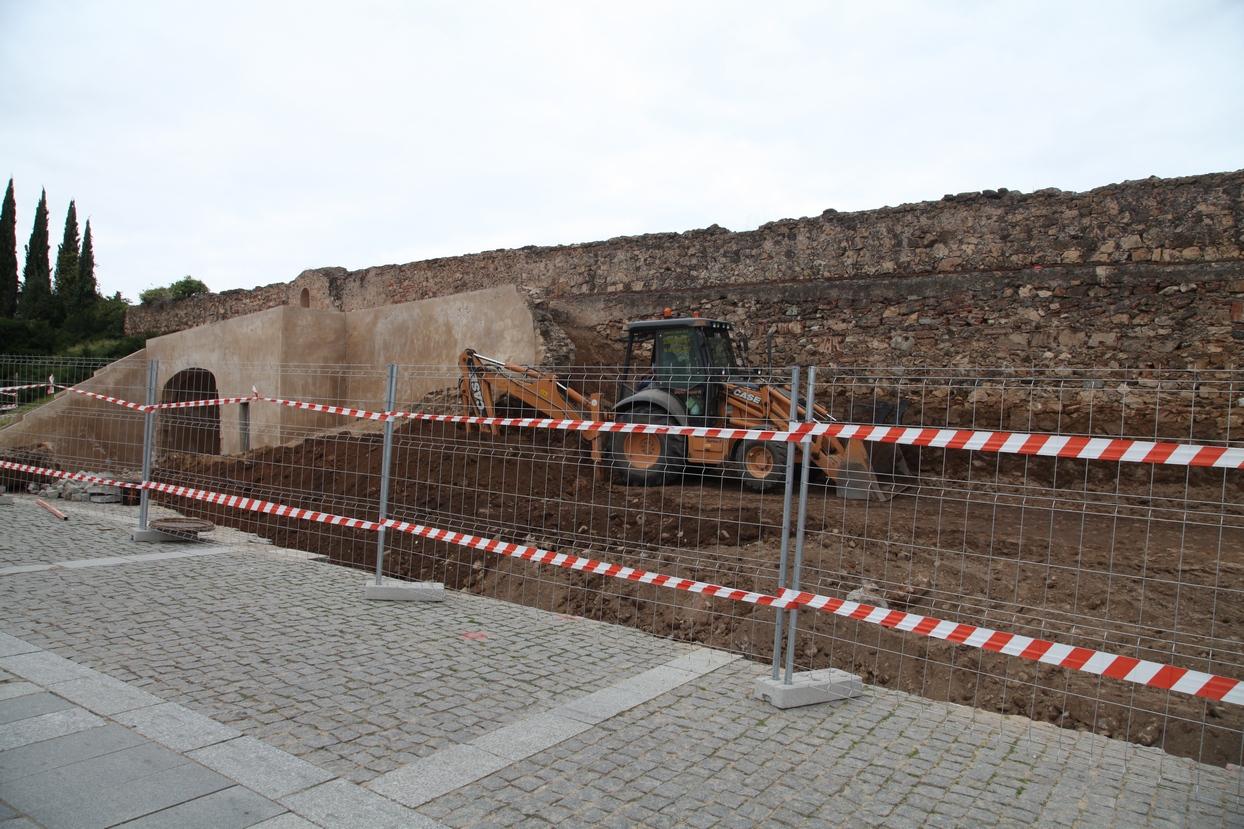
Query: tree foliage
{"points": [[183, 288], [68, 316], [80, 297], [86, 266], [23, 336], [35, 300], [65, 286], [8, 254]]}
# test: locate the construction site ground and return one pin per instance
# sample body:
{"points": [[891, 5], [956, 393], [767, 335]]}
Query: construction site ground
{"points": [[1036, 566]]}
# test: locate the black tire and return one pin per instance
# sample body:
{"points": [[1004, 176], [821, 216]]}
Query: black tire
{"points": [[760, 464], [645, 458]]}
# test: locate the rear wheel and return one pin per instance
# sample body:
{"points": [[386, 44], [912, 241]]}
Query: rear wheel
{"points": [[760, 464], [647, 458]]}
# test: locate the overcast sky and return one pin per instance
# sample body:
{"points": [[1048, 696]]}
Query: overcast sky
{"points": [[242, 142]]}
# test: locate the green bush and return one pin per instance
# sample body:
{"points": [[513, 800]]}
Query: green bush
{"points": [[185, 287], [112, 348], [23, 336]]}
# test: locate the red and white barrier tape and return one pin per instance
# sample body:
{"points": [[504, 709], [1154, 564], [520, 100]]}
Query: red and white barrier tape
{"points": [[1013, 443], [1129, 669], [14, 389], [1142, 672], [145, 407], [1058, 446], [255, 505], [70, 476], [191, 404], [116, 400], [363, 414]]}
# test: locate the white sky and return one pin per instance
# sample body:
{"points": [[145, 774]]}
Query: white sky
{"points": [[242, 142]]}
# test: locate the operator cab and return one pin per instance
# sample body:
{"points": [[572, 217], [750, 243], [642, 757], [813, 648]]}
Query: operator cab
{"points": [[690, 358]]}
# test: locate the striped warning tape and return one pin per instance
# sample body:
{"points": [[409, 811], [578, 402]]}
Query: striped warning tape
{"points": [[151, 407], [320, 407], [14, 389], [70, 476], [1015, 443], [191, 404], [115, 400], [255, 505], [1126, 668], [1142, 672], [1130, 669]]}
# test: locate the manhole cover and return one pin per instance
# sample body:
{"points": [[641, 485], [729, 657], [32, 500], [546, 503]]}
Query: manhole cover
{"points": [[187, 526]]}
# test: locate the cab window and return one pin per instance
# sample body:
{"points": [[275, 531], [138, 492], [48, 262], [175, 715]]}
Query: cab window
{"points": [[676, 362], [720, 351]]}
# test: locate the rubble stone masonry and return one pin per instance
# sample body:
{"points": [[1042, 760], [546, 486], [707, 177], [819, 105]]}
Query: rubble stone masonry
{"points": [[1134, 274]]}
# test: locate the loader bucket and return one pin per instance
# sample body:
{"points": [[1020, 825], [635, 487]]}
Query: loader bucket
{"points": [[872, 470]]}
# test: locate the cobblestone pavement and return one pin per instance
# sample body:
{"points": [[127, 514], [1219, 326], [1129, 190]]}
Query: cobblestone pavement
{"points": [[475, 712]]}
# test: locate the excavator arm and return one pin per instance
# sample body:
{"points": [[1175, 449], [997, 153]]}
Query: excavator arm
{"points": [[486, 380]]}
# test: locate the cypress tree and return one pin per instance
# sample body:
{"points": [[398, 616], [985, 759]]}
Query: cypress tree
{"points": [[88, 291], [8, 254], [80, 300], [65, 282], [35, 300]]}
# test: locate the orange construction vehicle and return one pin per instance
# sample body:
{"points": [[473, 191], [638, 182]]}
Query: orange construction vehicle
{"points": [[689, 372]]}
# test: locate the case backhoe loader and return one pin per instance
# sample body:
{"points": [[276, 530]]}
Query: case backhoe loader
{"points": [[690, 372]]}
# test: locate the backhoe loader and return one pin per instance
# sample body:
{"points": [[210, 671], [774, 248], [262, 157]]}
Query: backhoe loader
{"points": [[690, 371]]}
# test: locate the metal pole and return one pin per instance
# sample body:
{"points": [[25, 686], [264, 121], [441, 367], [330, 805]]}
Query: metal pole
{"points": [[803, 520], [390, 403], [790, 479], [153, 373]]}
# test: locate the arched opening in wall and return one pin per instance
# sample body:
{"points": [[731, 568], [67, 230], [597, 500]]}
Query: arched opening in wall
{"points": [[304, 299], [194, 429]]}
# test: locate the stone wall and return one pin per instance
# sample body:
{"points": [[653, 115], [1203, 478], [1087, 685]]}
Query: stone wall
{"points": [[1144, 272], [170, 315], [1110, 316]]}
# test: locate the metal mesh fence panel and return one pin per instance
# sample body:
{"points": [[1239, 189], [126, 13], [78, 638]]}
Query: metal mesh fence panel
{"points": [[46, 427], [1097, 542], [1139, 559]]}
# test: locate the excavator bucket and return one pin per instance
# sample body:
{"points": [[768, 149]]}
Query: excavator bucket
{"points": [[872, 470]]}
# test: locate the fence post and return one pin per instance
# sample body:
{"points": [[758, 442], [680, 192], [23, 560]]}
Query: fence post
{"points": [[153, 371], [810, 398], [390, 403], [790, 478]]}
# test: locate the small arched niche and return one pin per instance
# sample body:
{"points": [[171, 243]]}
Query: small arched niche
{"points": [[304, 299]]}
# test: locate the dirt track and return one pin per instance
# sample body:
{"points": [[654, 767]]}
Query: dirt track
{"points": [[1108, 575]]}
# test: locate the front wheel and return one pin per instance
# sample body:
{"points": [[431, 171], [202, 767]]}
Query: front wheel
{"points": [[644, 457], [761, 464]]}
